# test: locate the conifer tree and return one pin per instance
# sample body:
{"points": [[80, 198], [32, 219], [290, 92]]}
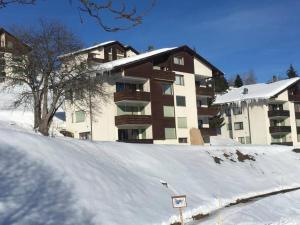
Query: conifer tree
{"points": [[220, 83], [238, 82], [291, 72]]}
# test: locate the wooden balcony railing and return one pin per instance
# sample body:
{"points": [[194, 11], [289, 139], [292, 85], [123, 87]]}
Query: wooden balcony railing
{"points": [[280, 129], [163, 75], [133, 120], [209, 131], [208, 111], [205, 91], [294, 97], [132, 96], [278, 113], [282, 143]]}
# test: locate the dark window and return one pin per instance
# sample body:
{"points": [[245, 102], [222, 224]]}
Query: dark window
{"points": [[200, 124], [180, 101], [85, 136], [182, 140], [120, 87], [238, 126]]}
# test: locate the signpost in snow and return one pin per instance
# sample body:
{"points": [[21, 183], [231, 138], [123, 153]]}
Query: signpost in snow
{"points": [[179, 202]]}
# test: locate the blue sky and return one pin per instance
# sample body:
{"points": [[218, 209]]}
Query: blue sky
{"points": [[235, 35]]}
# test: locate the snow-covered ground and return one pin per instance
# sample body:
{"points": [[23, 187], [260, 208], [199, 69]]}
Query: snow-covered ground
{"points": [[66, 181], [282, 209]]}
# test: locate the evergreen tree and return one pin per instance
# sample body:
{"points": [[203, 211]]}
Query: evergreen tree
{"points": [[238, 82], [291, 72], [221, 84]]}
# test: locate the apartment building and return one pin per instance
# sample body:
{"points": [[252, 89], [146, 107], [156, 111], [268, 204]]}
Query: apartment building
{"points": [[10, 49], [263, 113], [161, 96]]}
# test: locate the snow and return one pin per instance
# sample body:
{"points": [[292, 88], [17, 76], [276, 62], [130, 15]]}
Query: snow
{"points": [[256, 92], [68, 181], [111, 65], [87, 49], [282, 209]]}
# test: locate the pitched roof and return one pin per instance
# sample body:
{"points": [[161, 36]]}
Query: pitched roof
{"points": [[88, 49], [256, 92], [121, 62]]}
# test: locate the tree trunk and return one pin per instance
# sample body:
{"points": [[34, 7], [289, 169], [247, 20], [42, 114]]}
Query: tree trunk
{"points": [[44, 127], [36, 111]]}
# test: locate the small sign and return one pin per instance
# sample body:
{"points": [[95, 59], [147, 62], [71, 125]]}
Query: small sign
{"points": [[179, 201]]}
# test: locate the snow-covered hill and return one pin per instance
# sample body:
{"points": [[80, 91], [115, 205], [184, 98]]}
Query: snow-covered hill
{"points": [[66, 181]]}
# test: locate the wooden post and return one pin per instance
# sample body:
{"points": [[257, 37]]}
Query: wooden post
{"points": [[181, 216]]}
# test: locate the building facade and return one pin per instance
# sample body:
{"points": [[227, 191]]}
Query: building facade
{"points": [[162, 96], [263, 113], [10, 49]]}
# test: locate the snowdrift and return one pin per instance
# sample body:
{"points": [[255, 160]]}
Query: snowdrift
{"points": [[66, 181]]}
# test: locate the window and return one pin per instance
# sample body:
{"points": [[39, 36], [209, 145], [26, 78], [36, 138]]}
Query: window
{"points": [[169, 111], [85, 135], [110, 54], [79, 116], [241, 140], [200, 124], [179, 80], [180, 101], [178, 60], [167, 89], [297, 122], [182, 140], [238, 126], [120, 87], [298, 137], [237, 110], [182, 122], [170, 133], [120, 54], [130, 110]]}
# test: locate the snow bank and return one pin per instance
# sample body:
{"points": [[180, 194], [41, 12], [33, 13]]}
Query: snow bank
{"points": [[283, 209], [67, 181]]}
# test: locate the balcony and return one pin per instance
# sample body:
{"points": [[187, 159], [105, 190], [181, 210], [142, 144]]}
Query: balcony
{"points": [[294, 97], [282, 143], [205, 91], [208, 131], [208, 111], [278, 113], [163, 75], [132, 96], [138, 141], [280, 129], [124, 120]]}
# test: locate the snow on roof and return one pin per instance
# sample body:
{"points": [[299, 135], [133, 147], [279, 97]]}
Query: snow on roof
{"points": [[87, 49], [111, 65], [255, 92]]}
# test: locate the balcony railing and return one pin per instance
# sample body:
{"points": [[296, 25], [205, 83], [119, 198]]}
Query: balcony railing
{"points": [[205, 91], [208, 111], [133, 120], [209, 131], [138, 141], [132, 96], [163, 75], [282, 143], [278, 113], [280, 129]]}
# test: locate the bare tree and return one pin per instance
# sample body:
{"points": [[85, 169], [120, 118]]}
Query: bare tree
{"points": [[47, 78], [249, 78], [127, 15]]}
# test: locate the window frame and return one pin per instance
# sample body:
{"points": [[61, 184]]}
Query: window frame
{"points": [[178, 60], [181, 79], [163, 85], [181, 103], [170, 138], [241, 125]]}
